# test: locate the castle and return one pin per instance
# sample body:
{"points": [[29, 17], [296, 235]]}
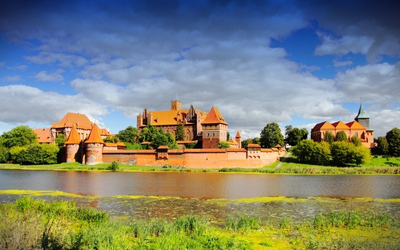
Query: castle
{"points": [[205, 129], [209, 128], [359, 127]]}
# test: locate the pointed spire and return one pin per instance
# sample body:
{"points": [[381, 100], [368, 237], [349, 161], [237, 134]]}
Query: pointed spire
{"points": [[214, 117], [238, 135], [361, 113], [73, 137], [94, 136]]}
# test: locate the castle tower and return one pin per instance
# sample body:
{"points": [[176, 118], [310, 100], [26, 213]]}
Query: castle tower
{"points": [[72, 145], [215, 129], [176, 105], [239, 139], [94, 146]]}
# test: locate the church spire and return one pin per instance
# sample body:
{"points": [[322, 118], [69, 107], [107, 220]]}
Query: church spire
{"points": [[362, 117]]}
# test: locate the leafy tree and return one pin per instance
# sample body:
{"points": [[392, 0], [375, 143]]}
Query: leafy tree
{"points": [[60, 140], [342, 153], [111, 139], [295, 135], [288, 128], [17, 154], [356, 141], [130, 134], [246, 142], [180, 132], [308, 151], [393, 139], [329, 138], [383, 146], [136, 146], [3, 154], [361, 155], [256, 140], [228, 136], [271, 136], [224, 144], [341, 136], [18, 136], [35, 154]]}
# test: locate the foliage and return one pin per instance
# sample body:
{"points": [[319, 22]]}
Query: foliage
{"points": [[228, 136], [114, 166], [383, 146], [136, 146], [111, 139], [18, 137], [35, 154], [271, 136], [224, 144], [158, 137], [4, 155], [345, 153], [130, 135], [329, 138], [341, 136], [180, 132], [308, 151], [295, 135], [393, 139], [356, 140], [246, 142], [60, 140]]}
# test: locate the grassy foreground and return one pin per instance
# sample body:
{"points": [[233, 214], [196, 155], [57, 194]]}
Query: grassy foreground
{"points": [[35, 224]]}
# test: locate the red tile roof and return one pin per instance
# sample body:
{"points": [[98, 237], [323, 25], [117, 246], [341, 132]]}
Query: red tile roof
{"points": [[94, 136], [323, 125], [238, 135], [43, 134], [214, 117], [73, 137], [81, 121], [355, 125]]}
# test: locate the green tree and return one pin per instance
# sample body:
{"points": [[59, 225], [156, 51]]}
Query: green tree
{"points": [[224, 144], [246, 142], [295, 135], [393, 139], [18, 154], [111, 139], [60, 140], [130, 135], [341, 136], [228, 136], [356, 141], [18, 136], [3, 154], [342, 153], [256, 140], [329, 138], [308, 151], [180, 132], [271, 136], [361, 155], [383, 146]]}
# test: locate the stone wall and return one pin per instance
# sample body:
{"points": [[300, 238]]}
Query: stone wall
{"points": [[193, 158]]}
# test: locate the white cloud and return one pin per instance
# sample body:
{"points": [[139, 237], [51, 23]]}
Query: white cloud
{"points": [[54, 77], [342, 63], [42, 107], [13, 78]]}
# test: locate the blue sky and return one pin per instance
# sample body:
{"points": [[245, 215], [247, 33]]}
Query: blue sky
{"points": [[297, 62]]}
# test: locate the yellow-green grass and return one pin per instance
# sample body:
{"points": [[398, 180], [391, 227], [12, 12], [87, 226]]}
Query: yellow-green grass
{"points": [[35, 224]]}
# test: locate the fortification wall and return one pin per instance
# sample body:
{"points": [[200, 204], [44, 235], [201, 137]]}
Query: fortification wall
{"points": [[193, 158]]}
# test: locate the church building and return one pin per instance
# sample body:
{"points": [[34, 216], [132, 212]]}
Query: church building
{"points": [[359, 127]]}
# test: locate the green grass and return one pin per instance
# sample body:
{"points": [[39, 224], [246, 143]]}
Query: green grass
{"points": [[35, 224]]}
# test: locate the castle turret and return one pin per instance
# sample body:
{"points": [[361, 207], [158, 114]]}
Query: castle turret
{"points": [[94, 147], [239, 139], [72, 146], [214, 129], [362, 117]]}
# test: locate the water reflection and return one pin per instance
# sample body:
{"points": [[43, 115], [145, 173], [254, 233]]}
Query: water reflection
{"points": [[202, 185]]}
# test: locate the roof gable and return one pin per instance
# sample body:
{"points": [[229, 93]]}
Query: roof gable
{"points": [[94, 136], [340, 125], [323, 126], [214, 117], [43, 135], [355, 125]]}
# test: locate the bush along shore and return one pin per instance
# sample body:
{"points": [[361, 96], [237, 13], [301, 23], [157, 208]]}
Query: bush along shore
{"points": [[36, 224]]}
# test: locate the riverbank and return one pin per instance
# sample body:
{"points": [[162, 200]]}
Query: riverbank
{"points": [[30, 223], [378, 165]]}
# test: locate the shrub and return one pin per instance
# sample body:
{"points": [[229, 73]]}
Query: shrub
{"points": [[341, 136], [3, 154], [224, 144], [308, 151], [114, 166], [393, 139]]}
